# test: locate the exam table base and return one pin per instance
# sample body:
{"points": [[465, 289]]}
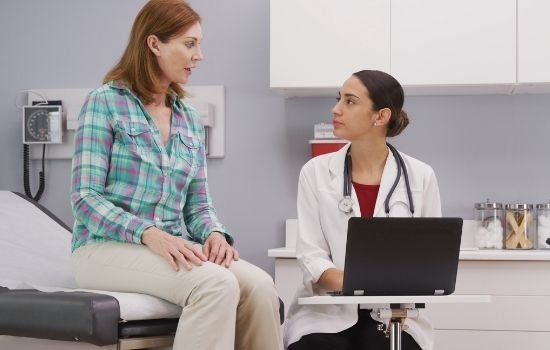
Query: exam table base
{"points": [[145, 343]]}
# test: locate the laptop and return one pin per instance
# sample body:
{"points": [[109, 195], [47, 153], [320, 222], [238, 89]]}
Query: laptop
{"points": [[401, 256]]}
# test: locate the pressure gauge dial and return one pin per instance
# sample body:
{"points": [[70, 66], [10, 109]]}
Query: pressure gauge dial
{"points": [[41, 124]]}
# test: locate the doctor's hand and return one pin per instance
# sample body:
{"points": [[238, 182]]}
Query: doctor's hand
{"points": [[332, 279], [218, 250], [174, 249]]}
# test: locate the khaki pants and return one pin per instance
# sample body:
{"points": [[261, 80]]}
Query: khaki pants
{"points": [[223, 309]]}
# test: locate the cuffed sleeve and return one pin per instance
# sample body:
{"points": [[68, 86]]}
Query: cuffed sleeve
{"points": [[312, 249]]}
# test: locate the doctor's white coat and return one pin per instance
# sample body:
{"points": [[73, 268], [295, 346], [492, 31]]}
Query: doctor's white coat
{"points": [[322, 231]]}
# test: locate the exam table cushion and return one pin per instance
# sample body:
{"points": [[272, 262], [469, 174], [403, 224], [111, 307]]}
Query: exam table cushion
{"points": [[35, 246], [80, 316], [73, 316], [35, 253]]}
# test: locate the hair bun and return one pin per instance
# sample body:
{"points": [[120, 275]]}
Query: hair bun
{"points": [[398, 124]]}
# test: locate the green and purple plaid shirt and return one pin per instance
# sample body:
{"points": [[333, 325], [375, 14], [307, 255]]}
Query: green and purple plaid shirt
{"points": [[125, 179]]}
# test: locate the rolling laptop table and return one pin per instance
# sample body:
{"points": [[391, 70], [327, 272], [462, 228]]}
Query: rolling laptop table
{"points": [[400, 308]]}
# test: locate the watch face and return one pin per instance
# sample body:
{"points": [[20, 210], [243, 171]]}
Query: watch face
{"points": [[37, 126]]}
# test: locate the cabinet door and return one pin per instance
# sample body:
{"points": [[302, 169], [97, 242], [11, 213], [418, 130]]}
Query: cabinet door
{"points": [[533, 41], [435, 42], [320, 43]]}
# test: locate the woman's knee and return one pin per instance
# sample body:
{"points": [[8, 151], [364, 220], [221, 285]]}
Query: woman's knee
{"points": [[252, 279], [220, 279], [265, 284]]}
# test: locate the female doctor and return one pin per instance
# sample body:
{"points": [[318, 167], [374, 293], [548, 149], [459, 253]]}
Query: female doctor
{"points": [[355, 181]]}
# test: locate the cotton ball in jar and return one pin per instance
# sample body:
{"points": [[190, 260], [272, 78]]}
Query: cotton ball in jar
{"points": [[481, 237]]}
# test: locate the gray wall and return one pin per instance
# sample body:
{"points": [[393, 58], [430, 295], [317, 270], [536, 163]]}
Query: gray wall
{"points": [[479, 146]]}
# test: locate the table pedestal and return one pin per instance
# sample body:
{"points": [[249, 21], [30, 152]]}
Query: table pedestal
{"points": [[395, 334], [395, 318]]}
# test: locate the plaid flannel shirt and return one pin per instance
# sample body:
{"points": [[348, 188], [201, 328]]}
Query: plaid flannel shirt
{"points": [[124, 179]]}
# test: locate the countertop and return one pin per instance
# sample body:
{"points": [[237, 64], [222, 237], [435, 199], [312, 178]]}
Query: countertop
{"points": [[465, 254]]}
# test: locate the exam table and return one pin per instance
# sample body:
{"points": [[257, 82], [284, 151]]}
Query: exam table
{"points": [[40, 304]]}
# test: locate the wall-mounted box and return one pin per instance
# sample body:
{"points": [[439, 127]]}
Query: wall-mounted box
{"points": [[209, 101], [72, 101], [324, 146]]}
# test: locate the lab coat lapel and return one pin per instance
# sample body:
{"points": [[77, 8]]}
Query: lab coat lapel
{"points": [[388, 178], [336, 168]]}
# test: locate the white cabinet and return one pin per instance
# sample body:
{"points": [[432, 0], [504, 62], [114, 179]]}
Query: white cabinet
{"points": [[320, 43], [516, 318], [468, 42], [430, 46], [533, 43]]}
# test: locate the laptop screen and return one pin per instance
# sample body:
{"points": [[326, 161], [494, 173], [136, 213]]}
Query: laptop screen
{"points": [[402, 256]]}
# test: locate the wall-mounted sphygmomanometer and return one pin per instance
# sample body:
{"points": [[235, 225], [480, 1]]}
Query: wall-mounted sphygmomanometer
{"points": [[41, 125]]}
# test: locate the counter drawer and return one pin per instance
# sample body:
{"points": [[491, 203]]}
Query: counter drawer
{"points": [[503, 277], [490, 340], [504, 313]]}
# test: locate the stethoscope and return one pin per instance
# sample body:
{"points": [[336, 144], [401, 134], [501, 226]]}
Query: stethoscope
{"points": [[346, 205]]}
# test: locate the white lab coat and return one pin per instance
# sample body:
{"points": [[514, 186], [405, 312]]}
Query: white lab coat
{"points": [[322, 231]]}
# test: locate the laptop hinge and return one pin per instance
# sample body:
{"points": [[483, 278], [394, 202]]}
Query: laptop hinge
{"points": [[358, 292], [439, 292]]}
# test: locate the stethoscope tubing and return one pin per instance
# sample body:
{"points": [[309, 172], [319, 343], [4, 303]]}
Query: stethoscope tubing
{"points": [[346, 205]]}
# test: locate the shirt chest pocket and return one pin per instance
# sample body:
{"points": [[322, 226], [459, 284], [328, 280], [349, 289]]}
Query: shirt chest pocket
{"points": [[136, 137], [186, 150]]}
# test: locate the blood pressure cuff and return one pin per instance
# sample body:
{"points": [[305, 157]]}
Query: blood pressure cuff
{"points": [[70, 316]]}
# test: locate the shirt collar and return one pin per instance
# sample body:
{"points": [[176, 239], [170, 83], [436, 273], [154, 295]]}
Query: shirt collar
{"points": [[123, 86]]}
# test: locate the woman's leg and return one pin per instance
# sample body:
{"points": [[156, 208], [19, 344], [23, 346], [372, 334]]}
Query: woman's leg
{"points": [[208, 294], [368, 337], [258, 323]]}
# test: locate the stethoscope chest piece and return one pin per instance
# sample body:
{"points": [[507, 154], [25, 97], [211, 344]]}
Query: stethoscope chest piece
{"points": [[345, 205]]}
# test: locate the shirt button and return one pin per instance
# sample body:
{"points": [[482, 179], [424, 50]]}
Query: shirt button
{"points": [[157, 219]]}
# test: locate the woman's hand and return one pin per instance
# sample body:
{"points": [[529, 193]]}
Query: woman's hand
{"points": [[173, 249], [218, 250]]}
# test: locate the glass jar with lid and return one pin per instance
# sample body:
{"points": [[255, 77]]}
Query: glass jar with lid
{"points": [[489, 230], [520, 226], [543, 225]]}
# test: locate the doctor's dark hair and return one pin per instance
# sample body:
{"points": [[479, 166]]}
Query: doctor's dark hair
{"points": [[386, 92], [138, 66]]}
